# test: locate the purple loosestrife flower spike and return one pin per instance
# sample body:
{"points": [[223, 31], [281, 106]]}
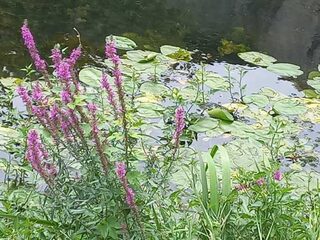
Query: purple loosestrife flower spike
{"points": [[23, 93], [130, 198], [36, 155], [37, 94], [180, 124], [65, 96], [56, 56], [277, 175], [63, 70], [111, 95], [31, 45], [74, 56], [260, 181], [121, 171], [121, 174]]}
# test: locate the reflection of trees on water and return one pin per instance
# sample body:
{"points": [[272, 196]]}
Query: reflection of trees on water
{"points": [[287, 29]]}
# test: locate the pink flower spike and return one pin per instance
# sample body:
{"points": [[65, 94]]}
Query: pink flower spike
{"points": [[92, 108], [130, 198], [65, 96], [56, 56], [23, 93], [277, 175], [180, 124], [260, 181], [37, 94], [29, 42], [74, 56], [121, 170]]}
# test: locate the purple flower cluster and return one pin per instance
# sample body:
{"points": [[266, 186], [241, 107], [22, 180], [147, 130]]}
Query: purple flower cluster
{"points": [[29, 42], [37, 156], [130, 195], [111, 95], [277, 175], [180, 124], [111, 53]]}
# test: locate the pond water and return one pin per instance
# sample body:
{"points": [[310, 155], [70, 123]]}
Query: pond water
{"points": [[287, 29]]}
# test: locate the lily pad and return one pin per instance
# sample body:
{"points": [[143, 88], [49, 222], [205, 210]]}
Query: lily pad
{"points": [[257, 99], [314, 83], [175, 53], [285, 69], [153, 88], [257, 58], [90, 76], [141, 56], [214, 81], [204, 124], [289, 106], [122, 43], [222, 114]]}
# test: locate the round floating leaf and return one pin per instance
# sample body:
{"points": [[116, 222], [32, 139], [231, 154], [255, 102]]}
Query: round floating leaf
{"points": [[167, 49], [222, 114], [289, 106], [175, 53], [204, 124], [313, 75], [214, 81], [10, 82], [310, 93], [188, 93], [257, 58], [285, 69], [153, 88], [314, 83], [122, 43], [90, 76], [141, 56], [257, 99]]}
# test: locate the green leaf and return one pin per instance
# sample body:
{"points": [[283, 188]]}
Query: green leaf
{"points": [[314, 83], [285, 69], [154, 88], [176, 53], [90, 76], [213, 180], [314, 74], [204, 183], [213, 80], [204, 124], [122, 43], [226, 171], [257, 99], [141, 56], [10, 82], [289, 106], [257, 58], [222, 114]]}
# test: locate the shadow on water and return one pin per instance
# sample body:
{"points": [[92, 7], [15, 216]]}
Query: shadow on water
{"points": [[286, 29]]}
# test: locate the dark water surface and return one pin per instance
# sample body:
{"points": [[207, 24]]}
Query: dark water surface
{"points": [[287, 29]]}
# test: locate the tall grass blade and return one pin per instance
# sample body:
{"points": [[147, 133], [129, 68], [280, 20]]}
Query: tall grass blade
{"points": [[226, 171], [204, 183]]}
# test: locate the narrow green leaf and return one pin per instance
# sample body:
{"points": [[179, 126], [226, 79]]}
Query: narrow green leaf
{"points": [[204, 183], [226, 171]]}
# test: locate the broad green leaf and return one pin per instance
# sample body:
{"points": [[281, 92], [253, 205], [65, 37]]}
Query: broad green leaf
{"points": [[289, 106], [314, 83], [222, 114], [226, 171], [314, 74], [257, 99], [10, 82], [213, 80], [141, 56], [122, 43], [176, 53], [153, 88], [257, 58], [285, 69], [91, 76], [188, 93], [204, 124]]}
